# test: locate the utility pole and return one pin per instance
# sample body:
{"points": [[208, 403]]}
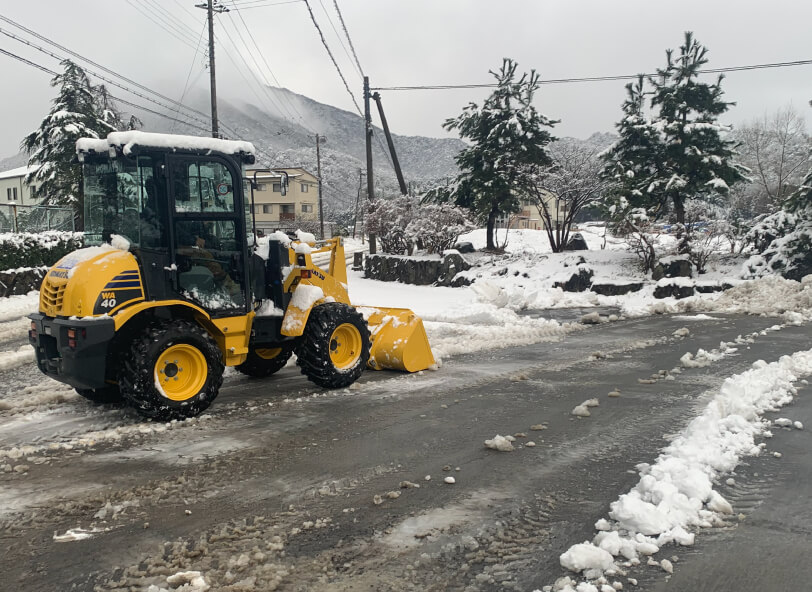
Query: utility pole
{"points": [[391, 144], [357, 202], [211, 8], [319, 140], [368, 133]]}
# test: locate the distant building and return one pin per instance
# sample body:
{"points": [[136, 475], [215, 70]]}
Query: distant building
{"points": [[529, 217], [272, 210], [13, 189]]}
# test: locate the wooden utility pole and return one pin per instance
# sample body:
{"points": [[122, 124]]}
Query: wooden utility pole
{"points": [[368, 133], [319, 140], [211, 8], [391, 145]]}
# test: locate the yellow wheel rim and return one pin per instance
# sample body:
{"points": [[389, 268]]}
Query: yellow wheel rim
{"points": [[345, 346], [268, 353], [181, 370]]}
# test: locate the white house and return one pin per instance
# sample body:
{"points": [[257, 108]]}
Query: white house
{"points": [[13, 189]]}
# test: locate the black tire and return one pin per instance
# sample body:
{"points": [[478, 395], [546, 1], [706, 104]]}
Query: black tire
{"points": [[318, 341], [259, 365], [199, 355], [101, 396]]}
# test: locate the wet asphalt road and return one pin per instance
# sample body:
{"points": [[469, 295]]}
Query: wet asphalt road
{"points": [[276, 488]]}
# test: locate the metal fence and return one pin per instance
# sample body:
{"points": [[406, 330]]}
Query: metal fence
{"points": [[19, 218]]}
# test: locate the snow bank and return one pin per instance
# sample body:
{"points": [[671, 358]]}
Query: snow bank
{"points": [[15, 307], [675, 493]]}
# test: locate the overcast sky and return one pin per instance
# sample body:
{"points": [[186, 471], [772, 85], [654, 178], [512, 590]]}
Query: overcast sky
{"points": [[414, 42]]}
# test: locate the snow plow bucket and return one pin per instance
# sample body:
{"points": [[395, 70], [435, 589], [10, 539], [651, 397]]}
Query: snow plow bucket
{"points": [[399, 341]]}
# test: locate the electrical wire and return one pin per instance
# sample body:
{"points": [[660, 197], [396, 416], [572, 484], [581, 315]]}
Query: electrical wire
{"points": [[262, 4], [600, 78], [349, 40], [97, 65], [191, 68], [118, 99], [160, 24], [338, 35], [293, 110], [330, 53], [97, 75]]}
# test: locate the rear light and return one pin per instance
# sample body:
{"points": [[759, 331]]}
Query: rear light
{"points": [[32, 333], [305, 274], [71, 333], [72, 343]]}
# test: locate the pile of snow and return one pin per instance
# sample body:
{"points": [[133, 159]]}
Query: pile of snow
{"points": [[675, 494], [183, 581], [14, 358], [500, 443], [15, 307]]}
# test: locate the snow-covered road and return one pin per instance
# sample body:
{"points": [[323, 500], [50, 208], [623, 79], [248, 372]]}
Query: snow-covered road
{"points": [[279, 477]]}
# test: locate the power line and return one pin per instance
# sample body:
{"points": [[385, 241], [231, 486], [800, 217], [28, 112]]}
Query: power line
{"points": [[118, 99], [97, 75], [344, 47], [191, 68], [347, 33], [293, 111], [330, 53], [600, 78], [99, 66], [161, 24], [262, 4]]}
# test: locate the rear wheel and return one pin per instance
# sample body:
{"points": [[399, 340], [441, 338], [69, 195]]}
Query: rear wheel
{"points": [[334, 348], [101, 396], [264, 361], [174, 371]]}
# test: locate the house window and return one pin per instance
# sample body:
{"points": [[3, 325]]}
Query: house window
{"points": [[262, 187], [304, 187], [267, 209], [307, 208], [11, 193], [277, 187]]}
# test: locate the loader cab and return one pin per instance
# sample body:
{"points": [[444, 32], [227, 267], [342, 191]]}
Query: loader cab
{"points": [[185, 217]]}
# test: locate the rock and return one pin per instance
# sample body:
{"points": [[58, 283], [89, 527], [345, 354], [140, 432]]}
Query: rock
{"points": [[530, 444], [452, 264], [616, 289], [537, 427], [464, 247], [581, 411], [576, 243], [393, 494], [377, 500], [677, 266], [591, 318], [450, 480], [613, 394], [676, 290], [579, 282]]}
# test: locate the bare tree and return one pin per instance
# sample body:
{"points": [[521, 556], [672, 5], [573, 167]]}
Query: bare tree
{"points": [[560, 191], [776, 150]]}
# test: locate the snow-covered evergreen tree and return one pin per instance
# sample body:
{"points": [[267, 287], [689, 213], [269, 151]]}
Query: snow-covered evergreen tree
{"points": [[506, 135], [79, 110], [632, 162], [697, 161], [784, 239]]}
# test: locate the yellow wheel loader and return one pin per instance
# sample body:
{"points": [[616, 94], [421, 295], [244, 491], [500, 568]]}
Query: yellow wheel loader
{"points": [[173, 285]]}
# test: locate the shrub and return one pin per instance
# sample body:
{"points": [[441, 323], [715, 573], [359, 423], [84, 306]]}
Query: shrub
{"points": [[37, 250]]}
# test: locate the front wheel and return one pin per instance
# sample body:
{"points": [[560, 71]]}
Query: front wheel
{"points": [[334, 348], [174, 371]]}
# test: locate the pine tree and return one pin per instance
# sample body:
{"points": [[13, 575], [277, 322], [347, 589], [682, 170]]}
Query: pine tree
{"points": [[79, 111], [633, 162], [507, 136], [697, 162]]}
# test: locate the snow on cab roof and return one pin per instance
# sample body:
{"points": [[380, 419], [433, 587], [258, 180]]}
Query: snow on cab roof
{"points": [[126, 141]]}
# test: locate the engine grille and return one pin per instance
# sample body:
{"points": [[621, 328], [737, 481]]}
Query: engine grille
{"points": [[51, 297]]}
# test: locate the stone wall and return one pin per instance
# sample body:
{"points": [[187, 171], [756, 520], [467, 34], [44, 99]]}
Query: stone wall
{"points": [[14, 282], [418, 271]]}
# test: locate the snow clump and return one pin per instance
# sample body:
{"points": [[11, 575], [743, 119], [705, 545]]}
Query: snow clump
{"points": [[500, 443]]}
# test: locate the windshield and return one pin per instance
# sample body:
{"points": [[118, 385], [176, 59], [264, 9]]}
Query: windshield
{"points": [[115, 194]]}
